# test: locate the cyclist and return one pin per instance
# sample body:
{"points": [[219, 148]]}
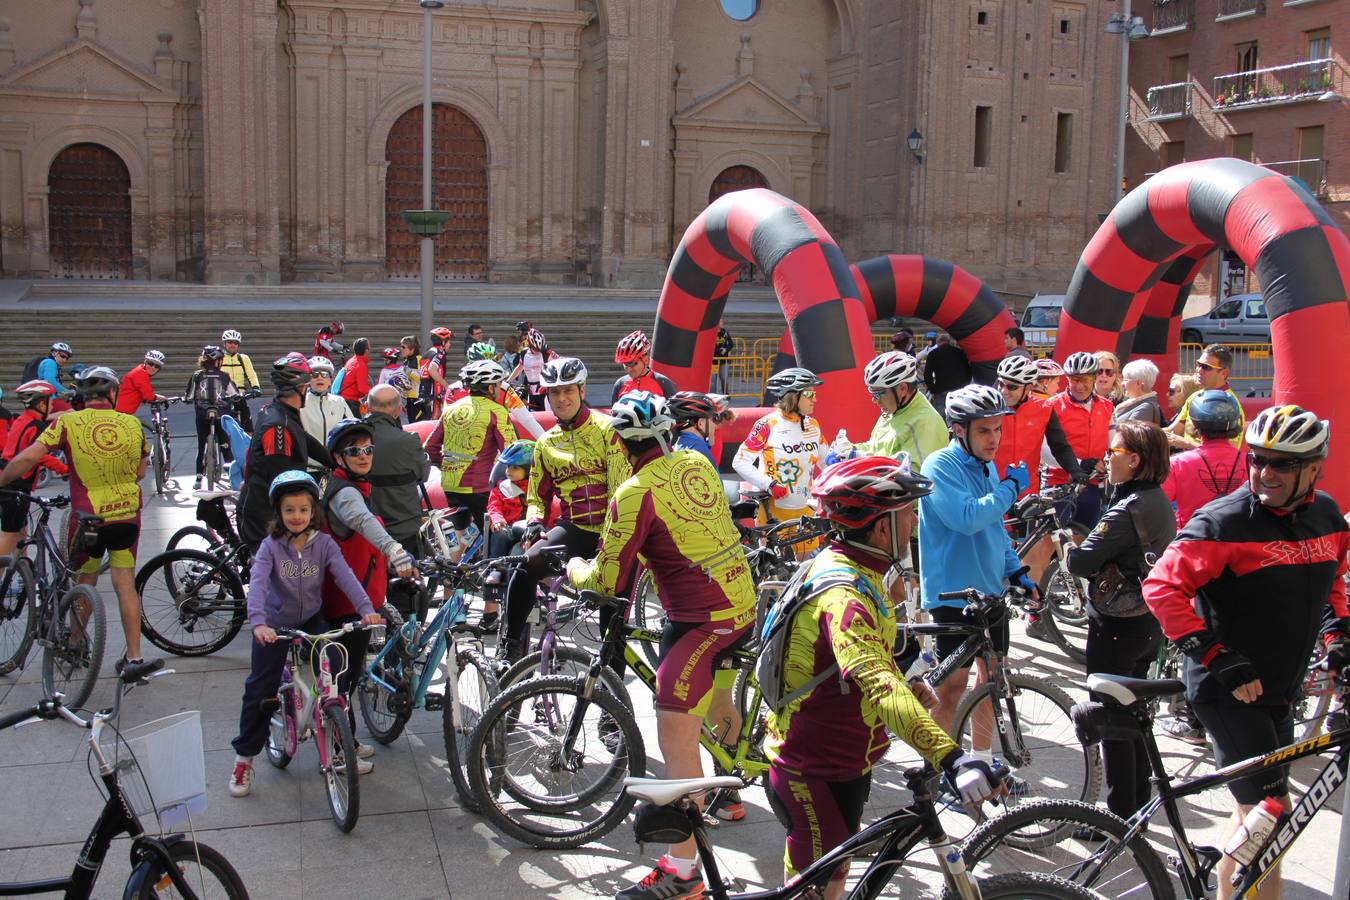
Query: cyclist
{"points": [[356, 376], [108, 455], [1214, 468], [964, 542], [1211, 371], [36, 397], [506, 395], [472, 431], [393, 365], [782, 453], [532, 361], [1086, 419], [1049, 378], [431, 371], [210, 390], [822, 745], [697, 416], [279, 444], [1244, 590], [908, 423], [634, 353], [673, 514], [580, 462], [506, 518], [323, 409], [240, 369], [1033, 422], [135, 388], [49, 367], [325, 343]]}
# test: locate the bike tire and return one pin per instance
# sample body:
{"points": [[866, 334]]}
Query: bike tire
{"points": [[275, 748], [340, 778], [570, 661], [160, 464], [648, 612], [568, 823], [191, 604], [386, 718], [473, 690], [1059, 766], [1027, 886], [205, 869], [18, 603], [70, 670], [211, 465], [196, 537], [65, 536], [1024, 838], [1066, 633]]}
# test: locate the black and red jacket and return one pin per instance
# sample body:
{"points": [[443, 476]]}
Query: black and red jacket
{"points": [[1242, 577]]}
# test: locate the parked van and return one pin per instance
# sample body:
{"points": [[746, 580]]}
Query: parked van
{"points": [[1040, 320]]}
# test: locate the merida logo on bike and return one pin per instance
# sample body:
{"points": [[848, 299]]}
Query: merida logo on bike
{"points": [[1317, 794]]}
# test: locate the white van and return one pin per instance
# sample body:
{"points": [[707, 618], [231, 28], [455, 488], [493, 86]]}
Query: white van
{"points": [[1040, 320]]}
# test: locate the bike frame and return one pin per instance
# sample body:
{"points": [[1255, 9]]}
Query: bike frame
{"points": [[304, 716], [436, 636]]}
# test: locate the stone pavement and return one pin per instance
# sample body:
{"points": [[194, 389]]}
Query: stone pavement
{"points": [[414, 840]]}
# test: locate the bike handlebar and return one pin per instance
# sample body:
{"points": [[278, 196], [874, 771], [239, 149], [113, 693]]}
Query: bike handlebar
{"points": [[297, 634], [60, 501]]}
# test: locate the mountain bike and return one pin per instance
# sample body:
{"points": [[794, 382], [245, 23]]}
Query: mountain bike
{"points": [[1064, 596], [40, 602], [1123, 863], [161, 865], [318, 711], [888, 842], [161, 446]]}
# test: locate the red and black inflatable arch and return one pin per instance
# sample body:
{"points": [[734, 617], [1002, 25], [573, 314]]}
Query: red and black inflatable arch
{"points": [[1132, 281]]}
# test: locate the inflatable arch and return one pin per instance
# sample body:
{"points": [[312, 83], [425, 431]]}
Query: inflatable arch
{"points": [[1131, 283]]}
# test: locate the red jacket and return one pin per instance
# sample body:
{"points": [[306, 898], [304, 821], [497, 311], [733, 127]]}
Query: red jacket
{"points": [[23, 430], [501, 508], [355, 378], [363, 558], [1087, 426], [134, 390], [1023, 433]]}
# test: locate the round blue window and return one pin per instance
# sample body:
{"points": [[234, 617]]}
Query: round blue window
{"points": [[740, 10]]}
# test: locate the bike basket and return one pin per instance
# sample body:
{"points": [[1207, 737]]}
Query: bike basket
{"points": [[171, 758]]}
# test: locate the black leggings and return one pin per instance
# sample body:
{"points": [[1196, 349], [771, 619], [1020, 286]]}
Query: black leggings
{"points": [[204, 429], [520, 593], [1124, 646]]}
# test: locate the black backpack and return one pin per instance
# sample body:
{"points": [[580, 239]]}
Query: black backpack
{"points": [[30, 369]]}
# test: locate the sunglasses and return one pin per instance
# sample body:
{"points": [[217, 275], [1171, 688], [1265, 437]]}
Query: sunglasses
{"points": [[1007, 385], [1118, 451], [1205, 365], [808, 394], [154, 365], [1274, 463], [1107, 372], [1082, 379], [354, 452], [632, 365]]}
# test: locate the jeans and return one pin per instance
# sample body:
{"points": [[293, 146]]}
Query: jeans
{"points": [[262, 683]]}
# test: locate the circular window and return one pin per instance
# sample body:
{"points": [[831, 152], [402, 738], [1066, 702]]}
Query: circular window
{"points": [[740, 10]]}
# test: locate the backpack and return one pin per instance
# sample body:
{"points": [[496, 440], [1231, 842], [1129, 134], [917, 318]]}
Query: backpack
{"points": [[771, 666], [30, 369]]}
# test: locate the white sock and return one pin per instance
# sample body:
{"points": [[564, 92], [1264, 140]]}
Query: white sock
{"points": [[986, 755], [684, 868]]}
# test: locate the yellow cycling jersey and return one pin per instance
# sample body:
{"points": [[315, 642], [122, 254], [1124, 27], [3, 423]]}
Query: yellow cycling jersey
{"points": [[673, 515], [240, 369], [475, 430], [105, 449], [582, 464], [839, 730]]}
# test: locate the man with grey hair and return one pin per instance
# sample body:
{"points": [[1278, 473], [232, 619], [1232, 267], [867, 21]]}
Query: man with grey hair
{"points": [[400, 470], [1141, 402]]}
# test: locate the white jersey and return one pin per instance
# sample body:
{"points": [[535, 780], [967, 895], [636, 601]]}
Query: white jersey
{"points": [[786, 452], [320, 413]]}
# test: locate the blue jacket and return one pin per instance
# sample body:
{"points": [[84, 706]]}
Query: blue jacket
{"points": [[962, 542], [49, 371], [688, 440]]}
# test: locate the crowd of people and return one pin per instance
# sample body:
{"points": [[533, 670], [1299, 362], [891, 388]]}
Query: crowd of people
{"points": [[1195, 526]]}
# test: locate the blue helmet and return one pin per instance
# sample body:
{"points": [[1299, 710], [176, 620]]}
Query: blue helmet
{"points": [[1216, 413], [344, 431], [517, 453], [292, 481]]}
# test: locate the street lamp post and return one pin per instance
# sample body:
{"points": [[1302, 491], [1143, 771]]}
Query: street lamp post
{"points": [[1130, 28], [428, 236]]}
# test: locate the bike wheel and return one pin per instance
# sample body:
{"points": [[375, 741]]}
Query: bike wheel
{"points": [[160, 464], [196, 537], [1027, 886], [461, 711], [18, 601], [1023, 839], [211, 464], [340, 775], [73, 650], [191, 604], [648, 612], [538, 788], [1066, 628], [386, 712], [569, 661], [278, 728], [1041, 745], [207, 872]]}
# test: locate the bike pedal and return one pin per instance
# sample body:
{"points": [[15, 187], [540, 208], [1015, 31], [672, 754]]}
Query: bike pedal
{"points": [[434, 702], [269, 705]]}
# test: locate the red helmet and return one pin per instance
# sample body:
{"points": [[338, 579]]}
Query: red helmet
{"points": [[442, 332], [390, 354], [290, 373], [631, 348], [335, 327], [30, 392], [854, 492]]}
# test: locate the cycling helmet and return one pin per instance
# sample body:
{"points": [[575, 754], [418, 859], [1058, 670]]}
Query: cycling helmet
{"points": [[401, 383], [854, 492], [344, 432], [154, 357], [292, 481], [723, 405], [62, 347], [1048, 368], [213, 352], [639, 415], [390, 354], [632, 347], [524, 326], [290, 373], [482, 373], [562, 371], [1289, 429], [442, 332], [687, 407], [1018, 370], [96, 381], [536, 340], [30, 392], [975, 401], [1216, 412], [335, 327], [517, 453], [891, 369], [231, 335], [317, 363], [1080, 363], [789, 380], [481, 350]]}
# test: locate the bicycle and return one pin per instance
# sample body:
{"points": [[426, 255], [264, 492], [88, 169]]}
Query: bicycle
{"points": [[40, 602], [159, 864], [161, 446], [318, 711], [540, 735], [1124, 863], [889, 841], [1064, 596]]}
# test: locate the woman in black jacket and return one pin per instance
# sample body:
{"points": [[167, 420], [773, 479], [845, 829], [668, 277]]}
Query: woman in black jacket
{"points": [[1123, 635]]}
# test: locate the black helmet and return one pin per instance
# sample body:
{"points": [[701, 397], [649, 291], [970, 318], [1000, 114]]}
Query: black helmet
{"points": [[212, 353], [346, 431]]}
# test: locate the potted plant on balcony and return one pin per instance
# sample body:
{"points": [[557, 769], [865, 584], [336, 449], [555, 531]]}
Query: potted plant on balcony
{"points": [[1264, 93]]}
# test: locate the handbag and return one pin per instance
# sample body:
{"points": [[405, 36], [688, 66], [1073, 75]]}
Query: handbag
{"points": [[1112, 592]]}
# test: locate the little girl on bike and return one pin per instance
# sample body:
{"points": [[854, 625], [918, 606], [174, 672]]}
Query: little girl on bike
{"points": [[284, 592], [210, 389]]}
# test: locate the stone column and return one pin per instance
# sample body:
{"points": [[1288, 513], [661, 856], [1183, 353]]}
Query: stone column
{"points": [[14, 244]]}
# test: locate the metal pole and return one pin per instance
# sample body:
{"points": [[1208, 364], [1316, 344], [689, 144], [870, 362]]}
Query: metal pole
{"points": [[428, 242], [1117, 190], [1341, 888]]}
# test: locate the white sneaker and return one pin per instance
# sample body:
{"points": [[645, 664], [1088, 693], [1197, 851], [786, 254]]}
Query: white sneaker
{"points": [[364, 751], [363, 766], [241, 779]]}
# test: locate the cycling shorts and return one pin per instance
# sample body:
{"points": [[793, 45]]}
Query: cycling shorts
{"points": [[688, 671], [819, 815], [947, 644], [13, 513], [117, 540], [1239, 731]]}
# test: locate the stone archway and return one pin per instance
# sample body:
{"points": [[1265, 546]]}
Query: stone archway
{"points": [[89, 213], [459, 186]]}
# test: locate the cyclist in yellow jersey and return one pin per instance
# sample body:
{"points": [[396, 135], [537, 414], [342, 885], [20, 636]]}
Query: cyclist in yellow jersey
{"points": [[472, 431], [673, 513], [240, 369], [823, 744], [107, 453]]}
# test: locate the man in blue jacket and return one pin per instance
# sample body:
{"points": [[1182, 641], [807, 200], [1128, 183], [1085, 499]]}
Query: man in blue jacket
{"points": [[964, 543]]}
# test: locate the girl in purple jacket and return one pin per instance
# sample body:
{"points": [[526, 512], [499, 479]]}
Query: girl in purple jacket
{"points": [[288, 571]]}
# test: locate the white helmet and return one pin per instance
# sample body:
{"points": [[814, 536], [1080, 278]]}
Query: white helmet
{"points": [[639, 415], [1290, 429], [563, 371], [1018, 370], [975, 401], [230, 334], [154, 357], [1048, 368], [321, 362], [1080, 363], [482, 372], [891, 369]]}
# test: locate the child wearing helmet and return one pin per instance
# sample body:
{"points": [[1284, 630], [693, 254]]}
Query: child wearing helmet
{"points": [[506, 515], [212, 395], [285, 591], [1214, 468]]}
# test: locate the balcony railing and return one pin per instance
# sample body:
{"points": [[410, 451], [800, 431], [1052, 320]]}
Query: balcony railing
{"points": [[1232, 9], [1312, 172], [1173, 15], [1278, 84], [1169, 101]]}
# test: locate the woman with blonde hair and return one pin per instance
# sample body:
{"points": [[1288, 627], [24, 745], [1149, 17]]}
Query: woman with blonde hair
{"points": [[1178, 390], [1108, 376]]}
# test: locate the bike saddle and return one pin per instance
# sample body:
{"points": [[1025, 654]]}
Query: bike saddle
{"points": [[664, 791], [756, 496], [745, 509], [88, 519], [1128, 691]]}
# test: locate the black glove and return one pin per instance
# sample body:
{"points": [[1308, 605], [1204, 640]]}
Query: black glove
{"points": [[1232, 669], [1082, 476], [1338, 653], [533, 532]]}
